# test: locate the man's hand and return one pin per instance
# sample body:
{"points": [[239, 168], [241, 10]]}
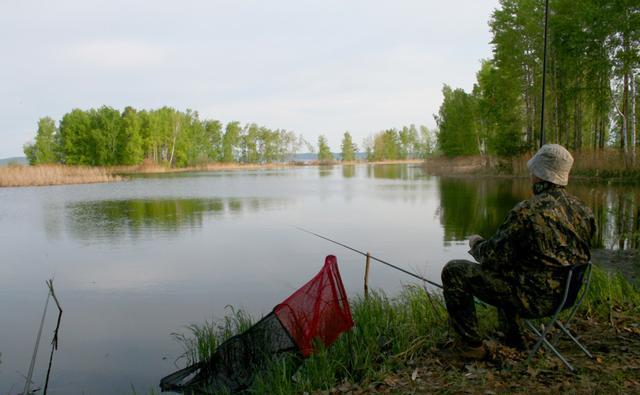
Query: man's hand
{"points": [[474, 239]]}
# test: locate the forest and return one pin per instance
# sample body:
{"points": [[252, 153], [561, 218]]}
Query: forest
{"points": [[593, 59]]}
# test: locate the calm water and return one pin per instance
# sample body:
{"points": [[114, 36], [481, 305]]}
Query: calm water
{"points": [[136, 261]]}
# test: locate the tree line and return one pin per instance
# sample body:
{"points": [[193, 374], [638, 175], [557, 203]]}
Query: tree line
{"points": [[408, 142], [593, 59], [107, 137]]}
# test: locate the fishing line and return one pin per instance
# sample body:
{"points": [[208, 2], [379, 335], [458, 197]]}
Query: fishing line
{"points": [[371, 256]]}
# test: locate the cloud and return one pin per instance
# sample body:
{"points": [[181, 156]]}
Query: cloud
{"points": [[118, 54]]}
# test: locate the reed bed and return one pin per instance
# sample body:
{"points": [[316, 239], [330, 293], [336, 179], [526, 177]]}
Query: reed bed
{"points": [[392, 335], [16, 176]]}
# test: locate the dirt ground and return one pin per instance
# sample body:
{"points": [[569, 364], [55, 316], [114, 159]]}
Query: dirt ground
{"points": [[614, 342], [615, 368]]}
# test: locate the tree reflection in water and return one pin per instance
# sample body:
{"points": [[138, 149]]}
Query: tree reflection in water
{"points": [[479, 206], [119, 219]]}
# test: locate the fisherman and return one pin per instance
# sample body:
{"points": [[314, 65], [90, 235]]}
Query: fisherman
{"points": [[517, 270]]}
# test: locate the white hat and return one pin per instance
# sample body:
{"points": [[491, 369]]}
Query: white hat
{"points": [[551, 163]]}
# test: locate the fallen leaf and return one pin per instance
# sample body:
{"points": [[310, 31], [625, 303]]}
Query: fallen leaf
{"points": [[414, 375]]}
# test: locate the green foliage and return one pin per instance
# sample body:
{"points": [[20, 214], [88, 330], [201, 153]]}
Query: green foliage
{"points": [[230, 141], [348, 148], [44, 149], [29, 150], [105, 137], [458, 134], [593, 56], [499, 122], [324, 152], [406, 143]]}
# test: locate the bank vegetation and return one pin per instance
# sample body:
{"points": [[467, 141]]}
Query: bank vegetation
{"points": [[396, 347]]}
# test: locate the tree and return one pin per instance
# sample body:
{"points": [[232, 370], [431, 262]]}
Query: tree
{"points": [[130, 145], [426, 143], [230, 141], [105, 136], [457, 135], [44, 149], [29, 150], [75, 138], [324, 153], [348, 148], [498, 119], [213, 134]]}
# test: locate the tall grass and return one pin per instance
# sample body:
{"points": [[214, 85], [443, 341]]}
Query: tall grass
{"points": [[388, 334], [13, 176]]}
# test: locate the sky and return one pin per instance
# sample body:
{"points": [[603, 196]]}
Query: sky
{"points": [[313, 67]]}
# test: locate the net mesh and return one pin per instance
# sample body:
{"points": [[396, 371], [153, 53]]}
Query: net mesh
{"points": [[318, 310]]}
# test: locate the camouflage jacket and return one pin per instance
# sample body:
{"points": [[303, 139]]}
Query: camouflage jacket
{"points": [[547, 231]]}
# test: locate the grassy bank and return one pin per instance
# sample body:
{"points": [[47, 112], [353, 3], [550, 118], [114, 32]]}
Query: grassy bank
{"points": [[608, 164], [394, 346]]}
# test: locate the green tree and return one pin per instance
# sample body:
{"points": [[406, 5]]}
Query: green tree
{"points": [[348, 148], [75, 138], [44, 149], [130, 144], [498, 119], [426, 143], [324, 153], [105, 136], [213, 133], [230, 141], [457, 134]]}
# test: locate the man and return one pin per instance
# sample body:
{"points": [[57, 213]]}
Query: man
{"points": [[518, 265]]}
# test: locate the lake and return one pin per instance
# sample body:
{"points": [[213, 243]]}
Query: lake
{"points": [[138, 260]]}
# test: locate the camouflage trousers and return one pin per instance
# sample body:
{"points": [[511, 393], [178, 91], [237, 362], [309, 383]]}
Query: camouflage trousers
{"points": [[463, 280]]}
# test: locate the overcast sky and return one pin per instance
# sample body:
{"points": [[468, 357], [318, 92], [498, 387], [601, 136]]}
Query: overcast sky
{"points": [[314, 67]]}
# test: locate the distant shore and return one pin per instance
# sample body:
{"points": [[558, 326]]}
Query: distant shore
{"points": [[43, 175]]}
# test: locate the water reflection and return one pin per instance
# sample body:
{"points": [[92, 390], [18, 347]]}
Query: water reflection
{"points": [[120, 219], [325, 170], [469, 206], [348, 171], [395, 171], [617, 212]]}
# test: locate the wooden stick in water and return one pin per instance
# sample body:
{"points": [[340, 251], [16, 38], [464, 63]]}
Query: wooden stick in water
{"points": [[366, 275], [54, 342]]}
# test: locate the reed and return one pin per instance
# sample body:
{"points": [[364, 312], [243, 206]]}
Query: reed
{"points": [[14, 176], [390, 334]]}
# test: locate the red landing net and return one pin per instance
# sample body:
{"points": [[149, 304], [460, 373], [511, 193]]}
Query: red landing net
{"points": [[318, 310]]}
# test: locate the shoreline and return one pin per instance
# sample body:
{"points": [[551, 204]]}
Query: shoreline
{"points": [[49, 175], [459, 167], [400, 345]]}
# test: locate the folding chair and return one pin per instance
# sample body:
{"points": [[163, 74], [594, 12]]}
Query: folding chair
{"points": [[576, 275]]}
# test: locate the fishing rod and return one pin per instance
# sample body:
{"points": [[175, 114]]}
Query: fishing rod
{"points": [[371, 256], [544, 71]]}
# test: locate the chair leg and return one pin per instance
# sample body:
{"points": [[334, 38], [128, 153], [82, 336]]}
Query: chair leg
{"points": [[543, 340], [575, 340]]}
